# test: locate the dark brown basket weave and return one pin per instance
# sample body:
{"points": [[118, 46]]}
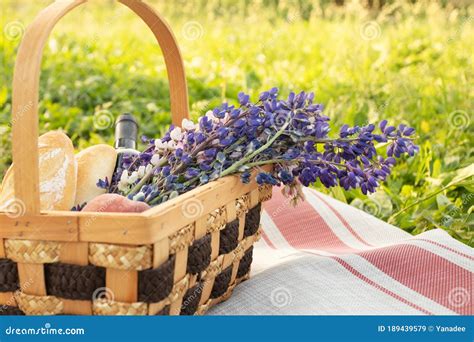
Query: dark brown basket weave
{"points": [[180, 257], [207, 281]]}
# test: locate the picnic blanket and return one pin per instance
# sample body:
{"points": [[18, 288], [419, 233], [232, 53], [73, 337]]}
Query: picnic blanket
{"points": [[325, 257]]}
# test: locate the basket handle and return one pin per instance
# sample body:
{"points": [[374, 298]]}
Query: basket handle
{"points": [[25, 92]]}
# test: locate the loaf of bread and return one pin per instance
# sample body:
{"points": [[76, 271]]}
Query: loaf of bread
{"points": [[57, 173], [93, 163]]}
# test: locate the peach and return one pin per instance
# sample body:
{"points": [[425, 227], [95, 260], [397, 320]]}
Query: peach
{"points": [[114, 203]]}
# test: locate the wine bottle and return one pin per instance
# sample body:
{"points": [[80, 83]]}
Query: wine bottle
{"points": [[126, 133]]}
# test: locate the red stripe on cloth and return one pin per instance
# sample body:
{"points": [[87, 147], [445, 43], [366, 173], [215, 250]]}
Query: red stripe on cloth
{"points": [[448, 248], [267, 240], [342, 219], [302, 226], [379, 287], [426, 273]]}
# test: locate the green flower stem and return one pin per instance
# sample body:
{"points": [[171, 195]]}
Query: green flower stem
{"points": [[234, 167], [266, 162], [158, 198], [145, 178], [328, 140], [282, 161], [420, 201]]}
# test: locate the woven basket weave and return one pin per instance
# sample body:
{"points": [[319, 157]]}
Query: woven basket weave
{"points": [[181, 257]]}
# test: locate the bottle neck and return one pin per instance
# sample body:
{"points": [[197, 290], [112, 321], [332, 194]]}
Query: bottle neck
{"points": [[126, 132], [124, 143]]}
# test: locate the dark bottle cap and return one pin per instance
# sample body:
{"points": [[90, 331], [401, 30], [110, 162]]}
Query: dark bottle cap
{"points": [[126, 131]]}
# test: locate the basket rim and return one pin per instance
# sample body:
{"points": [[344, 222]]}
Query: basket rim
{"points": [[155, 211], [127, 228]]}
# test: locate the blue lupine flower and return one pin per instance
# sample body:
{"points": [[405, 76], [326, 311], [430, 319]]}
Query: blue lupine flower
{"points": [[191, 173], [243, 99], [210, 153], [285, 176], [292, 133], [103, 184]]}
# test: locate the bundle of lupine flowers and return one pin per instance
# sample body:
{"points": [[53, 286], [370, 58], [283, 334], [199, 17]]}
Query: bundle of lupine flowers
{"points": [[291, 134]]}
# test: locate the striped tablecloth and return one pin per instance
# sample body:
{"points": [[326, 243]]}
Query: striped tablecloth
{"points": [[327, 258]]}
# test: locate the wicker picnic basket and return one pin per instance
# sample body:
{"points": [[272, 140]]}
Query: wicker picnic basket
{"points": [[181, 257]]}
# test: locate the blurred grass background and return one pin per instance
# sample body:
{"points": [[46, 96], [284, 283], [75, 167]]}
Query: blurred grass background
{"points": [[409, 62]]}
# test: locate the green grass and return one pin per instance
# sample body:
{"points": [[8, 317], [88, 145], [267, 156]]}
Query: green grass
{"points": [[417, 69]]}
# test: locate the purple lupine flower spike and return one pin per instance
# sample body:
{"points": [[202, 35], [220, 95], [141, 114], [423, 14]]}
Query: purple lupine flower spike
{"points": [[292, 134]]}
